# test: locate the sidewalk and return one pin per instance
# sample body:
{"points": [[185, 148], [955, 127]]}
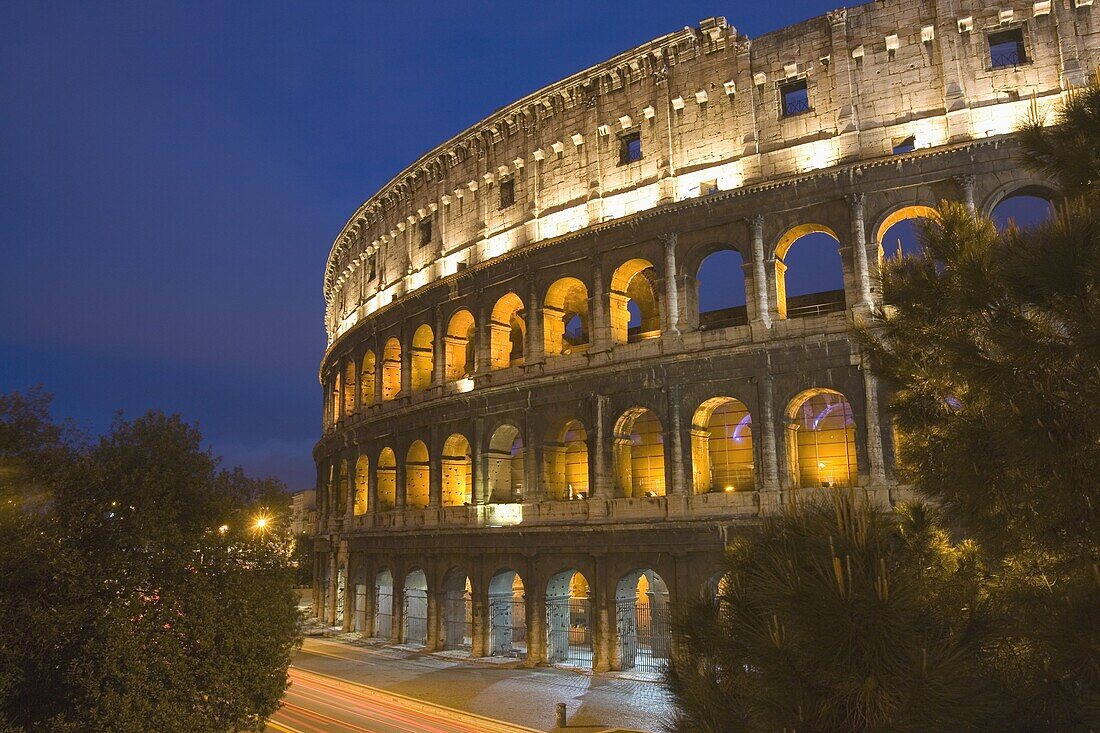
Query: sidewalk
{"points": [[521, 696]]}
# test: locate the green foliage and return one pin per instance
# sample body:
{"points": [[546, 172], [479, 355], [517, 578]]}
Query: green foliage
{"points": [[1069, 149], [143, 614], [833, 617]]}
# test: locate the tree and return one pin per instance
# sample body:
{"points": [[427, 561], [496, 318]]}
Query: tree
{"points": [[136, 592], [835, 617]]}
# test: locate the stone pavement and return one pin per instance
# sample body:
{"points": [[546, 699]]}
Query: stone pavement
{"points": [[503, 691]]}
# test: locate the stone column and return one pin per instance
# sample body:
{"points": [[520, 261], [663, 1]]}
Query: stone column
{"points": [[439, 350], [532, 459], [966, 183], [534, 609], [602, 633], [672, 299], [399, 480], [598, 323], [875, 462], [534, 354], [333, 578], [601, 485], [484, 344], [435, 469], [759, 273], [433, 642], [318, 563], [406, 367], [675, 443], [379, 371], [863, 299], [357, 365], [349, 504], [769, 468], [479, 614], [480, 464], [397, 608]]}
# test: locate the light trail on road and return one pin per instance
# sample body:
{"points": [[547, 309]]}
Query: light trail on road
{"points": [[316, 703]]}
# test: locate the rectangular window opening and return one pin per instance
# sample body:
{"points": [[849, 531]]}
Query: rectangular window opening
{"points": [[796, 97], [1006, 48], [630, 148], [905, 145], [425, 231], [507, 192]]}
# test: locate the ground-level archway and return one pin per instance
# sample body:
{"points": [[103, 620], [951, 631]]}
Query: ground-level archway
{"points": [[507, 615], [383, 605], [643, 621], [569, 620], [415, 614], [458, 614]]}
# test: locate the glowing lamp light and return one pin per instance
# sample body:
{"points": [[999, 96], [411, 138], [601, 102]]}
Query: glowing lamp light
{"points": [[465, 384], [261, 523], [821, 464], [223, 529], [728, 488]]}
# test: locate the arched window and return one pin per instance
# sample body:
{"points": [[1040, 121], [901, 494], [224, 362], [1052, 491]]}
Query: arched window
{"points": [[721, 446], [362, 481], [386, 480], [565, 462], [720, 281], [349, 388], [421, 362], [367, 377], [458, 484], [899, 233], [417, 471], [391, 370], [565, 317], [639, 454], [635, 314], [821, 440], [1024, 207], [506, 465], [809, 272], [335, 403], [460, 346], [506, 332]]}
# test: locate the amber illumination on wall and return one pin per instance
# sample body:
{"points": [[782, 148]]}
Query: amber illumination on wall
{"points": [[822, 437], [721, 446], [639, 454], [460, 346], [416, 475], [506, 332], [634, 280], [387, 480], [566, 300], [457, 471]]}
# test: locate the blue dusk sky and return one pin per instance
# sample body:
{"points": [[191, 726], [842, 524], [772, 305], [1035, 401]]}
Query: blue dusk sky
{"points": [[172, 176]]}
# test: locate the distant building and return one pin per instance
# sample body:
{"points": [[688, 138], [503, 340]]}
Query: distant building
{"points": [[303, 506], [535, 437]]}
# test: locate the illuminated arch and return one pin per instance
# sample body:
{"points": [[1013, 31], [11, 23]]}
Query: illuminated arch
{"points": [[634, 281], [643, 621], [457, 467], [639, 454], [349, 388], [362, 482], [565, 462], [386, 480], [721, 446], [897, 216], [415, 617], [366, 378], [821, 440], [569, 619], [565, 317], [506, 455], [457, 612], [417, 472], [809, 303], [460, 346], [507, 615], [506, 332], [391, 370], [719, 289], [335, 396], [421, 361]]}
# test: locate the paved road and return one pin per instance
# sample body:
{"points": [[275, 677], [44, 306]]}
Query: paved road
{"points": [[523, 697], [320, 704]]}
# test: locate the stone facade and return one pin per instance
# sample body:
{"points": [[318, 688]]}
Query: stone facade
{"points": [[503, 446]]}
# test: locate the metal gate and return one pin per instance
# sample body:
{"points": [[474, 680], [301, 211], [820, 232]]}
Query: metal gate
{"points": [[383, 612], [569, 632], [458, 620], [645, 635], [359, 619], [416, 616], [507, 627]]}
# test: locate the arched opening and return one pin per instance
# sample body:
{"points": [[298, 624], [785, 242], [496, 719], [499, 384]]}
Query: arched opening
{"points": [[721, 446], [821, 440], [639, 454], [416, 609], [809, 272], [383, 605], [565, 317], [506, 465], [349, 389], [720, 283], [1025, 207], [460, 346], [335, 402], [507, 615], [421, 361], [458, 613], [506, 332], [417, 471], [386, 480], [340, 490], [366, 377], [391, 369], [899, 233], [635, 313], [362, 481], [565, 463], [643, 621], [457, 469], [569, 620]]}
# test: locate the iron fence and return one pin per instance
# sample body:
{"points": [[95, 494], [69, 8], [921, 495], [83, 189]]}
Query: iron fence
{"points": [[383, 612], [416, 616], [458, 625], [569, 632], [645, 635], [508, 627]]}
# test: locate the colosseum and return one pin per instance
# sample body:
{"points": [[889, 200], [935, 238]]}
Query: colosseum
{"points": [[536, 438]]}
